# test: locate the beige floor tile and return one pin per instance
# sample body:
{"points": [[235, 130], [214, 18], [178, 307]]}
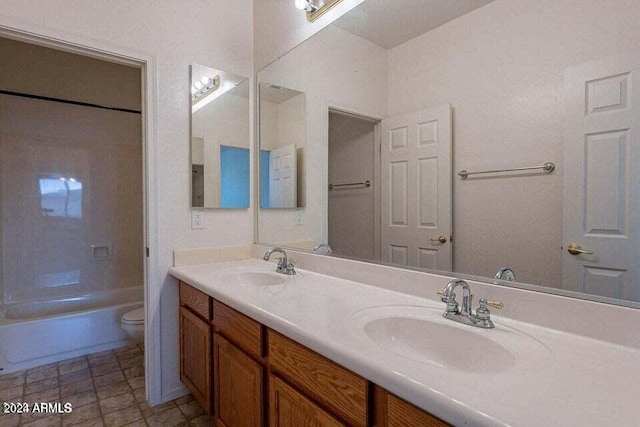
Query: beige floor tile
{"points": [[148, 411], [73, 365], [9, 420], [122, 417], [43, 367], [112, 378], [13, 375], [137, 382], [104, 359], [132, 352], [80, 415], [49, 421], [184, 399], [139, 423], [116, 403], [11, 382], [11, 394], [113, 390], [67, 390], [51, 395], [124, 349], [76, 376], [140, 395], [81, 399], [107, 368], [39, 386], [202, 421], [132, 362], [134, 371], [170, 418], [191, 410], [50, 371]]}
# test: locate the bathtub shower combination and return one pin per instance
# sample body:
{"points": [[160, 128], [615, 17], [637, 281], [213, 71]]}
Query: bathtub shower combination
{"points": [[71, 205]]}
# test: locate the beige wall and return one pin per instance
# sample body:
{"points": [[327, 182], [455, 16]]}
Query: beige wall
{"points": [[353, 78], [49, 256], [175, 35], [32, 69], [502, 68]]}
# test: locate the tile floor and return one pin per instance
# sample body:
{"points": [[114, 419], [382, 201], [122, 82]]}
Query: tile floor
{"points": [[105, 389]]}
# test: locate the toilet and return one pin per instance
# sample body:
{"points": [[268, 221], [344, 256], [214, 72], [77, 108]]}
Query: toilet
{"points": [[133, 324]]}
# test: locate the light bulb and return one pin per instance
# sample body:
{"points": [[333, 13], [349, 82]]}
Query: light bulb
{"points": [[205, 80], [198, 85], [193, 90], [301, 4]]}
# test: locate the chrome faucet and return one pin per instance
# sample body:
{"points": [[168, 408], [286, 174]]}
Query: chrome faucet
{"points": [[482, 318], [323, 245], [284, 265]]}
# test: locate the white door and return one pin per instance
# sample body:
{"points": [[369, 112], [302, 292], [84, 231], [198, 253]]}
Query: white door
{"points": [[416, 189], [282, 177], [602, 178]]}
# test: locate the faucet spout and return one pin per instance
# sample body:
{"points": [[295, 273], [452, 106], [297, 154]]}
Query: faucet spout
{"points": [[449, 296], [284, 265]]}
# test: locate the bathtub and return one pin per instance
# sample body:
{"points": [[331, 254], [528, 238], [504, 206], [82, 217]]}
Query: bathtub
{"points": [[42, 332]]}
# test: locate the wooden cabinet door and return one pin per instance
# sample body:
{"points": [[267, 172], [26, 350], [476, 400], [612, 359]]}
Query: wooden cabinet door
{"points": [[289, 408], [195, 357], [238, 386]]}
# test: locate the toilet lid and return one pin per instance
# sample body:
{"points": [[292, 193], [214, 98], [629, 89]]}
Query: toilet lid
{"points": [[134, 317]]}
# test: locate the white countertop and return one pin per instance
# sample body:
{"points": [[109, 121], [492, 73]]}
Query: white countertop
{"points": [[567, 380]]}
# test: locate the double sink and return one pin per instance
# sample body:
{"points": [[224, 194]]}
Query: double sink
{"points": [[420, 334]]}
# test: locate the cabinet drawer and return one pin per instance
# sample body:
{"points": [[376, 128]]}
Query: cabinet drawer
{"points": [[243, 331], [198, 302], [333, 386], [288, 408], [402, 414]]}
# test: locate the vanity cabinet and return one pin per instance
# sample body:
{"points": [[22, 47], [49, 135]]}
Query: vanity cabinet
{"points": [[195, 344], [244, 374]]}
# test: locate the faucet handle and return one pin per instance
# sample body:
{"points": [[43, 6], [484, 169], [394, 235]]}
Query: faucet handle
{"points": [[494, 304]]}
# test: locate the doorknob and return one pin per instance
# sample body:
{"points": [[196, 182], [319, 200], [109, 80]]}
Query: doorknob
{"points": [[575, 249], [439, 239]]}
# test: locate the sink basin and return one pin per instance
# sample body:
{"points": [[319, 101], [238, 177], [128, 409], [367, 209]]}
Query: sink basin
{"points": [[421, 334], [252, 278]]}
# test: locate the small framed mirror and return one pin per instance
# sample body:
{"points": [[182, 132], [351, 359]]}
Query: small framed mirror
{"points": [[220, 139]]}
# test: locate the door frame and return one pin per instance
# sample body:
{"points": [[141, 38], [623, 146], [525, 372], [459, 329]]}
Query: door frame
{"points": [[339, 108], [44, 36]]}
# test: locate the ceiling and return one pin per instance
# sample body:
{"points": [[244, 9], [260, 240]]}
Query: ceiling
{"points": [[391, 23]]}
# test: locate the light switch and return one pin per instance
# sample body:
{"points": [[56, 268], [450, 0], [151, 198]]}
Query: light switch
{"points": [[299, 217], [197, 219]]}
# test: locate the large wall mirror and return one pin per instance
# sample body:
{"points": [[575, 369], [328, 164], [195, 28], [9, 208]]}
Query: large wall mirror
{"points": [[488, 138], [220, 138]]}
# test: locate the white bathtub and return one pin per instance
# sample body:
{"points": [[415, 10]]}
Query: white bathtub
{"points": [[42, 332]]}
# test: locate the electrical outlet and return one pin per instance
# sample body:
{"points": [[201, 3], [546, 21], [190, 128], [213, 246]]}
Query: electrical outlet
{"points": [[197, 219], [299, 217]]}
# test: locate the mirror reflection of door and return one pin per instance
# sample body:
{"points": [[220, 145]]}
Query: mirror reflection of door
{"points": [[282, 144], [601, 194], [416, 189]]}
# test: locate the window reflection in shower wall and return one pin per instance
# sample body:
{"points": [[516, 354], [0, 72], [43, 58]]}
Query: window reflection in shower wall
{"points": [[71, 175]]}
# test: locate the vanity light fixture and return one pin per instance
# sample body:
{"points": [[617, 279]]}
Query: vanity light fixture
{"points": [[203, 86], [210, 92], [315, 8]]}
